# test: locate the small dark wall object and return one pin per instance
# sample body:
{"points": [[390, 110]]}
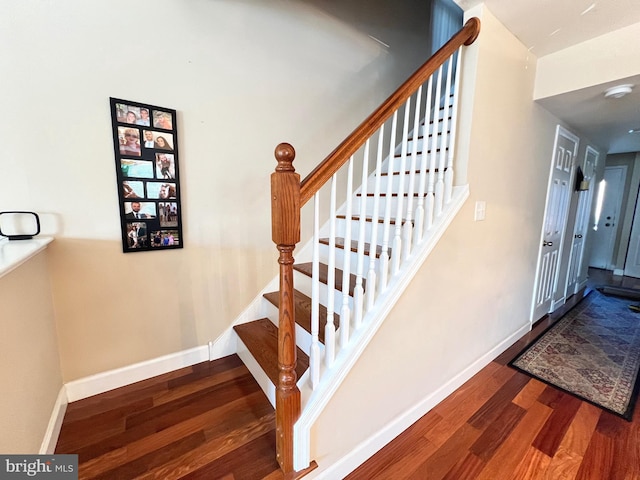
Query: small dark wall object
{"points": [[18, 225], [581, 184]]}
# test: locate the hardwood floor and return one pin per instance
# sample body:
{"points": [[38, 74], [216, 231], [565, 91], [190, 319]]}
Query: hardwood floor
{"points": [[504, 425], [209, 421], [212, 421]]}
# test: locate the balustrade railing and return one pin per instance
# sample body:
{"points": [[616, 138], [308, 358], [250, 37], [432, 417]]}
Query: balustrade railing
{"points": [[405, 154]]}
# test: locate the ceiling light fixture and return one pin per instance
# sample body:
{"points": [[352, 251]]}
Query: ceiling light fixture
{"points": [[618, 91], [634, 130]]}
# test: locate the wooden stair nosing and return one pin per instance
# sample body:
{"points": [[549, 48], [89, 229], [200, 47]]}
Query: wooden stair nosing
{"points": [[408, 172], [303, 311], [421, 137], [354, 246], [261, 339], [408, 154], [356, 218], [385, 195], [306, 269]]}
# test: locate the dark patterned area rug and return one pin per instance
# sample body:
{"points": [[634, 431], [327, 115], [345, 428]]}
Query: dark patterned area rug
{"points": [[593, 352]]}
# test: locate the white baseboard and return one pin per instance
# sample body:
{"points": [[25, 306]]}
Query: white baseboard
{"points": [[103, 382], [618, 272], [341, 467], [52, 433]]}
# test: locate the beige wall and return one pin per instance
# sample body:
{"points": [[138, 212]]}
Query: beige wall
{"points": [[603, 59], [475, 289], [29, 363], [243, 77]]}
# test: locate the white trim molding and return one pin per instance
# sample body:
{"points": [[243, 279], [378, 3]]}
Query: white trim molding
{"points": [[52, 433], [103, 382]]}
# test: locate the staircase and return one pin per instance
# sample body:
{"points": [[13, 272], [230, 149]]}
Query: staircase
{"points": [[332, 300]]}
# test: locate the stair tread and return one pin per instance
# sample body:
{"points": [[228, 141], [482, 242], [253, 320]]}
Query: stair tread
{"points": [[306, 268], [385, 195], [408, 172], [408, 154], [303, 311], [261, 339], [368, 219], [354, 246]]}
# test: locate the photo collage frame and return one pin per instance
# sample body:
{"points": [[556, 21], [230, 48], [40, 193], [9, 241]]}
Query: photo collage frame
{"points": [[146, 153]]}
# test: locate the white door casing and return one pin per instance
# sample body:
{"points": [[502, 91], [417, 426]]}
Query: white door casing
{"points": [[606, 229], [632, 263], [581, 226], [554, 226]]}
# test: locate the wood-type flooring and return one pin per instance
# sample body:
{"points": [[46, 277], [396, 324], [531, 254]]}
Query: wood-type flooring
{"points": [[212, 421]]}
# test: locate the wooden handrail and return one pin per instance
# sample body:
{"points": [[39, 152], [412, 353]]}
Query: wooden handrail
{"points": [[330, 165]]}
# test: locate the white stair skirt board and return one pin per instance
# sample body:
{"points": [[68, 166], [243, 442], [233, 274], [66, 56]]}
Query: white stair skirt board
{"points": [[342, 464], [103, 382], [315, 401], [52, 433]]}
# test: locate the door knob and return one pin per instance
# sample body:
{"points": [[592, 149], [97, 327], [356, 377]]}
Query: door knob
{"points": [[547, 244], [578, 236]]}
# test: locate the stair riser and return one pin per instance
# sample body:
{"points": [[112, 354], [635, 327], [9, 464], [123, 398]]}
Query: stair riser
{"points": [[430, 128], [340, 257], [421, 140], [303, 338], [393, 202], [341, 227], [397, 180], [303, 283]]}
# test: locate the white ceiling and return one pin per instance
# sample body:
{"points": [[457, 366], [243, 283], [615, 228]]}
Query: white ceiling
{"points": [[547, 26]]}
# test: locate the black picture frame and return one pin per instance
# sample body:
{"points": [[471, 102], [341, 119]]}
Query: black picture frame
{"points": [[145, 142]]}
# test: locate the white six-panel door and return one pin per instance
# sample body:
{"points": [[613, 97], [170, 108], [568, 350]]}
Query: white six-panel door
{"points": [[581, 226], [555, 221]]}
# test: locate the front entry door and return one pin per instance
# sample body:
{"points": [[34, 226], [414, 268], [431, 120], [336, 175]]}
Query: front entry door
{"points": [[581, 226], [606, 228], [555, 221]]}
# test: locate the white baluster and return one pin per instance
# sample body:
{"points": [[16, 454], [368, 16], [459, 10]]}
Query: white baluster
{"points": [[439, 184], [330, 328], [397, 239], [314, 353], [442, 164], [407, 228], [345, 313], [384, 256], [358, 293], [430, 204], [373, 243], [420, 210], [448, 178]]}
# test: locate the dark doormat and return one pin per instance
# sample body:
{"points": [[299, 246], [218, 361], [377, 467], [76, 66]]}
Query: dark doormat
{"points": [[630, 293], [593, 353]]}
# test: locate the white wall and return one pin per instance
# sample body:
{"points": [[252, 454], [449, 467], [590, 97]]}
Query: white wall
{"points": [[474, 292], [243, 76]]}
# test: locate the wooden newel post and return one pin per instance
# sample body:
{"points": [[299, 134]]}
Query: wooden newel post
{"points": [[285, 228]]}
